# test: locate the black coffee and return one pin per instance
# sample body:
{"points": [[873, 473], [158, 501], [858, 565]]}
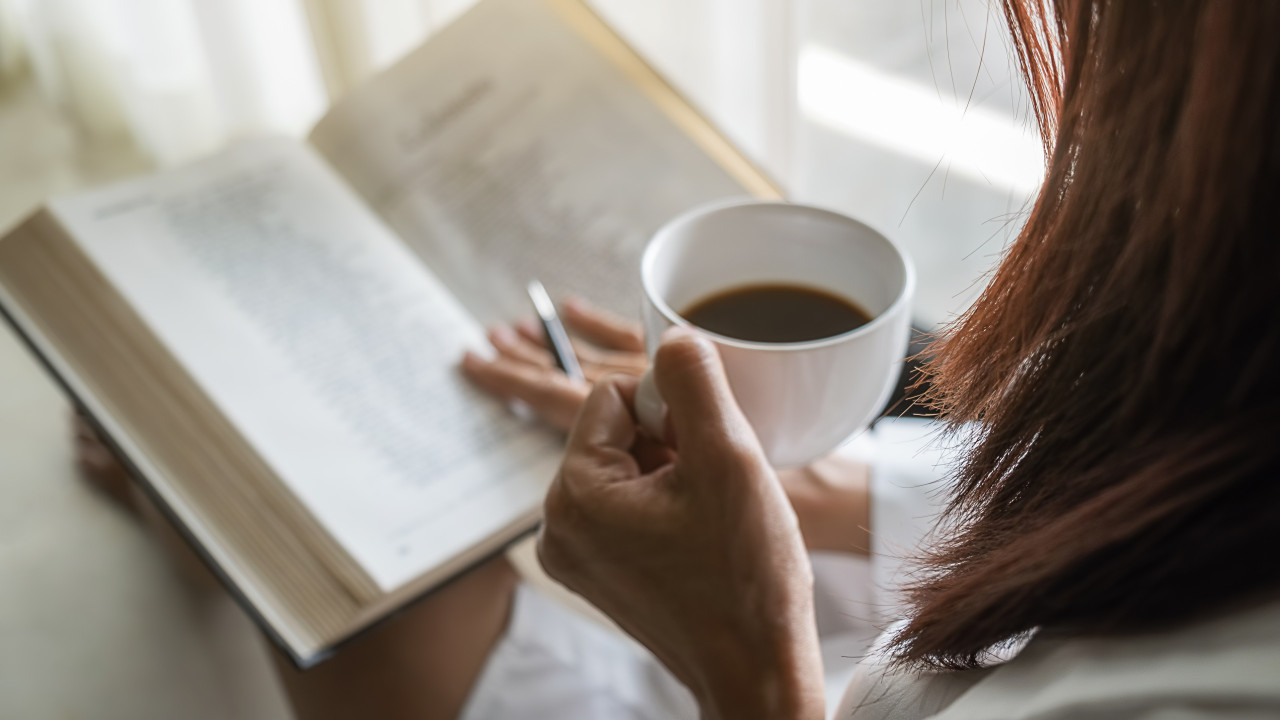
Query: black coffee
{"points": [[776, 314]]}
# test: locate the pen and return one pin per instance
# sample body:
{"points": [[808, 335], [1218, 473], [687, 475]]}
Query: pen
{"points": [[557, 338]]}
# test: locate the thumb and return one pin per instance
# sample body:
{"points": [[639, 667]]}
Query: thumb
{"points": [[702, 411]]}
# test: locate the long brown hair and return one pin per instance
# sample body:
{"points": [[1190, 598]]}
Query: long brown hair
{"points": [[1119, 374]]}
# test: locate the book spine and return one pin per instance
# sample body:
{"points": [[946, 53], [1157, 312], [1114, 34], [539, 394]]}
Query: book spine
{"points": [[12, 314]]}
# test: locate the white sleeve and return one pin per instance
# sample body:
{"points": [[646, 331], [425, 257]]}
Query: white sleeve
{"points": [[909, 466]]}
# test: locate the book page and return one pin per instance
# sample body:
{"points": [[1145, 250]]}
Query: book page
{"points": [[509, 147], [327, 344]]}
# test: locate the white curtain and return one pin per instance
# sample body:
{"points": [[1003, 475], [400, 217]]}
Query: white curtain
{"points": [[356, 38], [181, 78], [178, 77]]}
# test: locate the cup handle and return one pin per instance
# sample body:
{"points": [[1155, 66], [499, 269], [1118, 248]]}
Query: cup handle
{"points": [[651, 411]]}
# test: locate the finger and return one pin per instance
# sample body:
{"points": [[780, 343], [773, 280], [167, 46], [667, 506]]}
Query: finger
{"points": [[90, 446], [650, 454], [591, 359], [596, 363], [607, 419], [700, 405], [548, 392], [596, 458], [532, 331], [599, 447], [85, 431], [93, 454], [601, 327], [511, 344]]}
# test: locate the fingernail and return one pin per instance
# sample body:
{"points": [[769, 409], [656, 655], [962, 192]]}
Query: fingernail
{"points": [[530, 327], [472, 360], [676, 332], [502, 335], [571, 303]]}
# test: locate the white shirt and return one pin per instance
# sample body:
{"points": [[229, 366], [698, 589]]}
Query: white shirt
{"points": [[553, 663], [1222, 667]]}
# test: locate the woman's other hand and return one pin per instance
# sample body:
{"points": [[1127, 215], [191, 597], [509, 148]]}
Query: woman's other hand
{"points": [[832, 499], [98, 464], [525, 370], [696, 551]]}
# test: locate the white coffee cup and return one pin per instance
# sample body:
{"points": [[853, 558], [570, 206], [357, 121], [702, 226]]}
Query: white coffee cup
{"points": [[803, 399]]}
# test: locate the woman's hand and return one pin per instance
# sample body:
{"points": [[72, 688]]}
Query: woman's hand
{"points": [[99, 465], [832, 499], [695, 552], [830, 496], [524, 369]]}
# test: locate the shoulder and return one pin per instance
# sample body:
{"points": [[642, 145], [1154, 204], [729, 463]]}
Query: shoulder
{"points": [[1223, 667], [1231, 661]]}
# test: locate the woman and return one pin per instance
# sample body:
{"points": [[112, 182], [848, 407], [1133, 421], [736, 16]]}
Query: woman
{"points": [[1108, 549], [1119, 501]]}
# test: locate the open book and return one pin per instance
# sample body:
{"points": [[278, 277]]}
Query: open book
{"points": [[270, 336]]}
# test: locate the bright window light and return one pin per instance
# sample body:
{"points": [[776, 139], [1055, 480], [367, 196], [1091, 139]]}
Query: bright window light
{"points": [[909, 118]]}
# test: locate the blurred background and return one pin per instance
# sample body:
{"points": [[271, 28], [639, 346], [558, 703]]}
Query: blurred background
{"points": [[907, 114]]}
